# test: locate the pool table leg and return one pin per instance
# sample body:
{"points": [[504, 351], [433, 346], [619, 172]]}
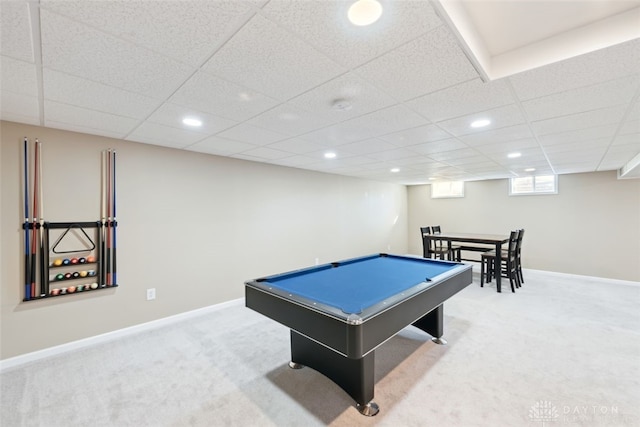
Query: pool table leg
{"points": [[433, 324], [355, 376]]}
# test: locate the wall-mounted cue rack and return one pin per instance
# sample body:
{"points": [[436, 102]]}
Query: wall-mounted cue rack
{"points": [[68, 258]]}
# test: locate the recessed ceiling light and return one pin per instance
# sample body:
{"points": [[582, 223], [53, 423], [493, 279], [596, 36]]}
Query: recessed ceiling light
{"points": [[330, 155], [364, 12], [190, 121], [530, 169], [432, 179], [395, 170], [480, 123], [514, 155]]}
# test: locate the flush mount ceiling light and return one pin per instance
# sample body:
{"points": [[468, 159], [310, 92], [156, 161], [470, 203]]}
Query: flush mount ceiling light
{"points": [[514, 155], [395, 170], [190, 121], [330, 155], [480, 123], [530, 169], [364, 12]]}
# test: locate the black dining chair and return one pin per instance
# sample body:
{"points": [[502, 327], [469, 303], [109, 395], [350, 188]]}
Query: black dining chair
{"points": [[508, 267], [519, 257], [454, 251], [430, 248]]}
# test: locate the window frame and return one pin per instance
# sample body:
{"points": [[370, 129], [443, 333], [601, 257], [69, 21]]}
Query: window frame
{"points": [[533, 192], [450, 194]]}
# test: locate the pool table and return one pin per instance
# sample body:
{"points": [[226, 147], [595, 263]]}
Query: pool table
{"points": [[339, 313]]}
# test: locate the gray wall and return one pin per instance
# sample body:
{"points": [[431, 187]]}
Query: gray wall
{"points": [[193, 226], [591, 227]]}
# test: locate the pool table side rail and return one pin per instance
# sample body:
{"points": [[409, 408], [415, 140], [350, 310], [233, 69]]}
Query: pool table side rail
{"points": [[269, 284]]}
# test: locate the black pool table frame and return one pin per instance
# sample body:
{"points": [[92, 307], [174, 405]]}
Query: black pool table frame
{"points": [[342, 347]]}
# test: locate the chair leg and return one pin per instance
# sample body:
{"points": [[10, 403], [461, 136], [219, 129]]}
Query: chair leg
{"points": [[520, 275], [481, 273]]}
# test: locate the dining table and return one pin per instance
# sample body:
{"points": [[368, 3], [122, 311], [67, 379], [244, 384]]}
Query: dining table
{"points": [[488, 242]]}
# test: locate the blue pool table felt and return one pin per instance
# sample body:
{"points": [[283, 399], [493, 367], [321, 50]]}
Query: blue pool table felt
{"points": [[355, 285]]}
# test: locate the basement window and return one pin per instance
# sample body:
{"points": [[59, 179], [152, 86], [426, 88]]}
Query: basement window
{"points": [[526, 185], [443, 190]]}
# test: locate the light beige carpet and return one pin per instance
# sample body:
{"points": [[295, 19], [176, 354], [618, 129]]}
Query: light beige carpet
{"points": [[562, 351]]}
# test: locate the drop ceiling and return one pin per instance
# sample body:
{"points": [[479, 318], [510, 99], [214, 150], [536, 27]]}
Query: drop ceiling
{"points": [[284, 82]]}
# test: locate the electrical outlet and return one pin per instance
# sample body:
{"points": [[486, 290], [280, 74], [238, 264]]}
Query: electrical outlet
{"points": [[151, 294], [317, 261]]}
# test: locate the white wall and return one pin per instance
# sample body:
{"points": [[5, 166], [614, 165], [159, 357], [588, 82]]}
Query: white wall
{"points": [[591, 227], [193, 226]]}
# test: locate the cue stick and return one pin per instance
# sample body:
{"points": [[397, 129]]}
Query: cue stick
{"points": [[27, 260], [115, 224], [108, 194], [43, 291], [103, 221], [35, 219]]}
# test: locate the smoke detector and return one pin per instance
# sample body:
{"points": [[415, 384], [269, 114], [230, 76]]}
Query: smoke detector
{"points": [[341, 105]]}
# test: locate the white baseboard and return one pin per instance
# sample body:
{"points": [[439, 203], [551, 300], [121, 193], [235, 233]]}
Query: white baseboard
{"points": [[98, 339]]}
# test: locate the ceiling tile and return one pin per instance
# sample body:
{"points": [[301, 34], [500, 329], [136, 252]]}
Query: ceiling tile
{"points": [[368, 146], [506, 134], [585, 70], [73, 48], [578, 121], [216, 96], [152, 133], [508, 146], [288, 65], [445, 156], [438, 146], [463, 99], [252, 134], [607, 131], [296, 146], [80, 119], [416, 135], [630, 127], [597, 96], [429, 63], [397, 153], [266, 153], [501, 117], [18, 77], [160, 25], [84, 93], [627, 139], [362, 96], [577, 147], [295, 161], [19, 108], [289, 118], [367, 126], [220, 146], [172, 115], [324, 24], [15, 30]]}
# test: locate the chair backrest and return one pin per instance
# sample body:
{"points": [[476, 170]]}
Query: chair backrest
{"points": [[520, 236], [425, 233], [513, 244], [436, 229]]}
